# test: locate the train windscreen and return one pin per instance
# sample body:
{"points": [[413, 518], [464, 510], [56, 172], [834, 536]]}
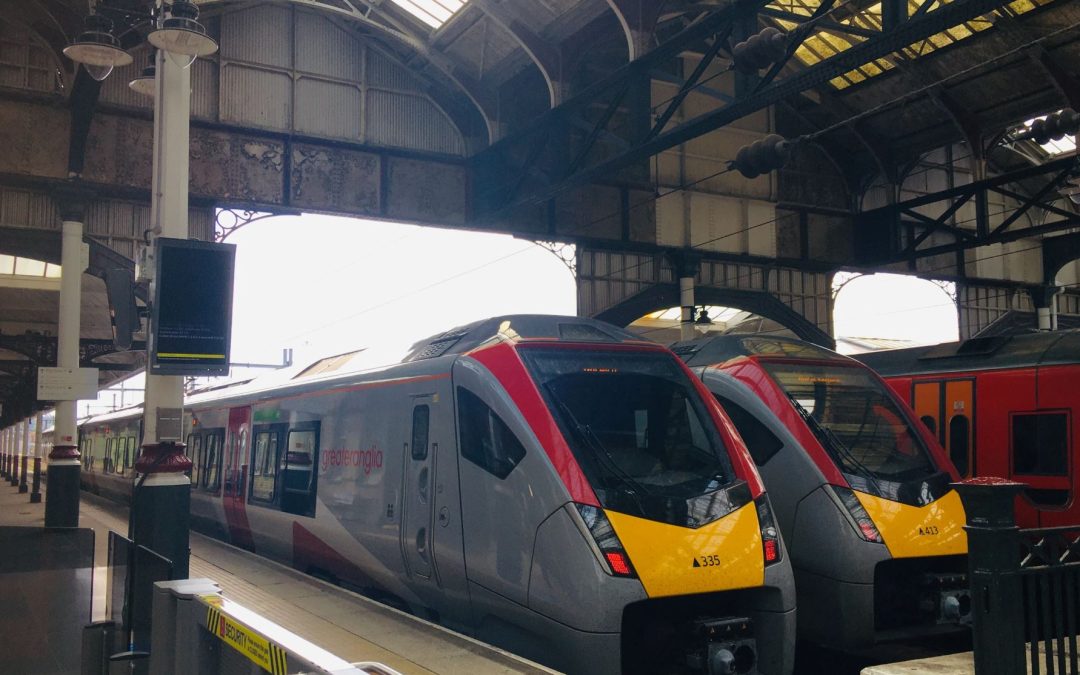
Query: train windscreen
{"points": [[856, 421], [640, 432]]}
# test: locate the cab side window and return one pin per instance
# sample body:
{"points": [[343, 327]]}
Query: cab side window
{"points": [[762, 443], [486, 441]]}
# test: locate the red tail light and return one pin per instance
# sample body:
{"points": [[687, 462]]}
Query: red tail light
{"points": [[614, 557], [620, 564], [770, 536], [864, 523]]}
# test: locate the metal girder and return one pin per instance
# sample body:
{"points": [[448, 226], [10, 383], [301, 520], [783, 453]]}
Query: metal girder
{"points": [[632, 16], [1068, 85], [822, 24], [546, 58], [877, 231], [913, 30]]}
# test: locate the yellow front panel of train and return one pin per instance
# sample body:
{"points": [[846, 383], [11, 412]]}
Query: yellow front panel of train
{"points": [[919, 531], [673, 560]]}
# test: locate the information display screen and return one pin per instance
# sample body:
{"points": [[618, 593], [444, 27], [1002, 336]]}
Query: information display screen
{"points": [[191, 324]]}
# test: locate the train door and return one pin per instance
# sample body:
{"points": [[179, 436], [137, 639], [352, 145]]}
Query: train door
{"points": [[947, 408], [235, 483], [416, 533], [431, 539]]}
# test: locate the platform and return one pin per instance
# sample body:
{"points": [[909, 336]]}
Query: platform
{"points": [[351, 626]]}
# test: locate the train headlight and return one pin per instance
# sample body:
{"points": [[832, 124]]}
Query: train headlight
{"points": [[770, 536], [864, 524], [612, 553]]}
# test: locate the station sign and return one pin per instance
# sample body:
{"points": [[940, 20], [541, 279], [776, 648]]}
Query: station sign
{"points": [[67, 384], [191, 322]]}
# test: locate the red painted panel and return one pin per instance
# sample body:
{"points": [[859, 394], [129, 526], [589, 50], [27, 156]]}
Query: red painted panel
{"points": [[311, 554]]}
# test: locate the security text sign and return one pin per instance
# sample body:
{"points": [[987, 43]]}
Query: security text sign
{"points": [[67, 384]]}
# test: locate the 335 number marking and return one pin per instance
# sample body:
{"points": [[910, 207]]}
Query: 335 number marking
{"points": [[709, 560]]}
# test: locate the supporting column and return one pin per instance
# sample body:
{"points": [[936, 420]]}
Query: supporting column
{"points": [[3, 453], [686, 268], [161, 510], [35, 493], [25, 456], [62, 500], [16, 452], [1045, 301]]}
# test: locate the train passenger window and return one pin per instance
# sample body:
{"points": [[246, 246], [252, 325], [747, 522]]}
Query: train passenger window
{"points": [[930, 424], [298, 466], [118, 455], [1040, 444], [486, 441], [959, 442], [212, 462], [264, 465], [420, 417], [761, 442], [106, 461]]}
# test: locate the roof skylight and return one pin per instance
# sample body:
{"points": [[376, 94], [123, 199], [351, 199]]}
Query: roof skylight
{"points": [[432, 12], [844, 32]]}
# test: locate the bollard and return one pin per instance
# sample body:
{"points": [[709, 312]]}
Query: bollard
{"points": [[996, 603], [35, 493]]}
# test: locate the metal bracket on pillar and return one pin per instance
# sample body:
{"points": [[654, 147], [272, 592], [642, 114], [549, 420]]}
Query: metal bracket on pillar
{"points": [[231, 220]]}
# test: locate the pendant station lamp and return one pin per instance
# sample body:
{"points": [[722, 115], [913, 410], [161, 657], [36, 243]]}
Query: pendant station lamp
{"points": [[176, 31], [181, 35], [144, 83], [97, 49]]}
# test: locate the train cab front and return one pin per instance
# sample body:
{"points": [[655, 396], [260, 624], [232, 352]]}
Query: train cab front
{"points": [[880, 546], [668, 520]]}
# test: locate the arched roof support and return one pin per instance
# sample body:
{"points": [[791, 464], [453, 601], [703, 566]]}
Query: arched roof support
{"points": [[546, 58], [367, 14], [762, 303], [633, 16]]}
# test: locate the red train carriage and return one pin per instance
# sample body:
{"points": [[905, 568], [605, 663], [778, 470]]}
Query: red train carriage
{"points": [[1001, 406]]}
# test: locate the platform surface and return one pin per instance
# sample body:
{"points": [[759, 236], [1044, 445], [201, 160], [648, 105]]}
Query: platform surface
{"points": [[344, 623]]}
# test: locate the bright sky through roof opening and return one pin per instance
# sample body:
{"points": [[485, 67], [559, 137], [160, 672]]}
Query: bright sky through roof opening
{"points": [[894, 306], [432, 12]]}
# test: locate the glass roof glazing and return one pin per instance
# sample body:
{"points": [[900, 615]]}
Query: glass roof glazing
{"points": [[843, 32], [432, 12]]}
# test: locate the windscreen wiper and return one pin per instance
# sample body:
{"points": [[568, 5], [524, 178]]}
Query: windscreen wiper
{"points": [[842, 455], [601, 451]]}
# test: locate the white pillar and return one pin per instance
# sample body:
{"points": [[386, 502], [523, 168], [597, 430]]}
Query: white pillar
{"points": [[686, 299], [172, 105], [71, 264], [1045, 322]]}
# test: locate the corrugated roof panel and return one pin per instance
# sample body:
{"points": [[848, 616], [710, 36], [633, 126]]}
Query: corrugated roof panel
{"points": [[324, 48], [328, 109], [410, 121]]}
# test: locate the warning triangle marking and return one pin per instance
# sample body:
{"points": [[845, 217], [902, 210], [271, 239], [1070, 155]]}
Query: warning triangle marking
{"points": [[696, 563]]}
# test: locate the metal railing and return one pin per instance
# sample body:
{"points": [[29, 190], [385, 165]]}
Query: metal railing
{"points": [[1025, 586]]}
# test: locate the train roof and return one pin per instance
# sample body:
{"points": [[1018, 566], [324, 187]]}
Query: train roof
{"points": [[520, 327], [996, 352], [720, 348]]}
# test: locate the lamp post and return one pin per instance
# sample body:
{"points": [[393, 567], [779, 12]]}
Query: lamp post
{"points": [[162, 499]]}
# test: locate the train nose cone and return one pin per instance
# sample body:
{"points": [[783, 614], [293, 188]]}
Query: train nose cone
{"points": [[722, 662]]}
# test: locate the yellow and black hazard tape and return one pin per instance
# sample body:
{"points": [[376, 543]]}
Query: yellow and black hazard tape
{"points": [[258, 649]]}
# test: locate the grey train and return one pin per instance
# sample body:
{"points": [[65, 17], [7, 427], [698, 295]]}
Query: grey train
{"points": [[552, 485], [861, 490]]}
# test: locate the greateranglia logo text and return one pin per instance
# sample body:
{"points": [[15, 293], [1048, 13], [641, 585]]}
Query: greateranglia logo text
{"points": [[368, 459]]}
